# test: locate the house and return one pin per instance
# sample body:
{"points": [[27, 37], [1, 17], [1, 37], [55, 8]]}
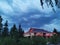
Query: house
{"points": [[38, 32]]}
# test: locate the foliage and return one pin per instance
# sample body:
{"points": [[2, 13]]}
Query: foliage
{"points": [[22, 41], [39, 40], [16, 36], [1, 25], [5, 29], [50, 2], [54, 39], [28, 41], [25, 41], [14, 32], [7, 41], [55, 31], [20, 31]]}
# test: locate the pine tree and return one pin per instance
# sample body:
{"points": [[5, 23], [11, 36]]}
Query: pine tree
{"points": [[1, 25], [5, 29], [13, 31], [20, 31], [55, 30]]}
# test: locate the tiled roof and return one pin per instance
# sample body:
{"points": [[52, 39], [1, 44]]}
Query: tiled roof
{"points": [[38, 30]]}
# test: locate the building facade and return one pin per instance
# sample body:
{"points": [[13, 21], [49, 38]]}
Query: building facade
{"points": [[38, 32]]}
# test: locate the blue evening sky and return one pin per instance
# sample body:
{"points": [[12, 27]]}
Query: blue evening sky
{"points": [[29, 13]]}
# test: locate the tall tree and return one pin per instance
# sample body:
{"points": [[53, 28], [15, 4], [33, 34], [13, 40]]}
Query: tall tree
{"points": [[13, 31], [5, 29], [1, 25], [20, 31]]}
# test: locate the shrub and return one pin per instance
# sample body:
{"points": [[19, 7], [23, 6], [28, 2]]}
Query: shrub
{"points": [[39, 40], [54, 39], [25, 41]]}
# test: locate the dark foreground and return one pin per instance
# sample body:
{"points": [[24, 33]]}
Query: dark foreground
{"points": [[29, 41]]}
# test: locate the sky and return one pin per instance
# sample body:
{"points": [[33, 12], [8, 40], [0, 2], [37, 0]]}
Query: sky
{"points": [[29, 14]]}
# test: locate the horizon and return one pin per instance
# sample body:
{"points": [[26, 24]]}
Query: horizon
{"points": [[29, 13]]}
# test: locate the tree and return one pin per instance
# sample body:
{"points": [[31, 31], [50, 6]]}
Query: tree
{"points": [[51, 3], [54, 39], [20, 31], [1, 25], [55, 30], [14, 32], [5, 29], [41, 3], [39, 41]]}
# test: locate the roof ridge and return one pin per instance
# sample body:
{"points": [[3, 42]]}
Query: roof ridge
{"points": [[36, 29]]}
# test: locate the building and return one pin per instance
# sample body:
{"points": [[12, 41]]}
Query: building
{"points": [[38, 32]]}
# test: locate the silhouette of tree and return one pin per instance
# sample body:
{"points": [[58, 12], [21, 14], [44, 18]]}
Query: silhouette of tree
{"points": [[20, 31], [41, 1], [14, 32], [54, 39], [55, 30], [51, 3], [5, 29], [56, 2], [1, 25]]}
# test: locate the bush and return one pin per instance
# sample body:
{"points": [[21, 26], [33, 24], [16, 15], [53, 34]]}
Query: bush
{"points": [[7, 41], [28, 41], [39, 41], [54, 39], [25, 41]]}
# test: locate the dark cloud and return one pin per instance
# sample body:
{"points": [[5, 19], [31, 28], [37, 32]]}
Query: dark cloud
{"points": [[31, 17]]}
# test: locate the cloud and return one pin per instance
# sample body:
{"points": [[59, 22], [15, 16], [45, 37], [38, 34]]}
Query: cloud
{"points": [[35, 16], [50, 27], [29, 13], [54, 23], [5, 8]]}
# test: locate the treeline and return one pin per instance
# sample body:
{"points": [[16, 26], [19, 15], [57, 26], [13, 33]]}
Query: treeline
{"points": [[14, 31], [15, 36]]}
